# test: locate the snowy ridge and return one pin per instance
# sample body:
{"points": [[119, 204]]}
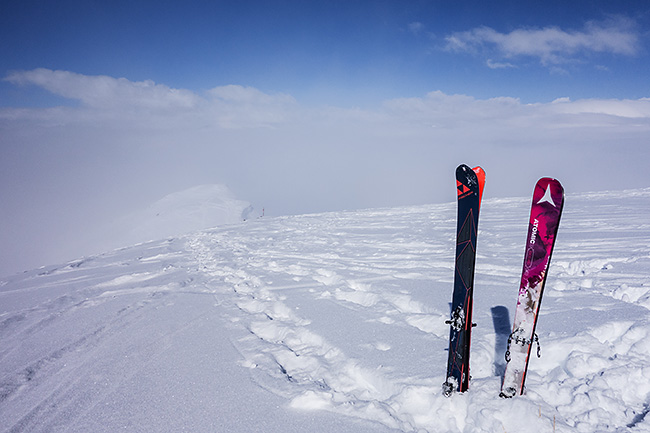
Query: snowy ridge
{"points": [[333, 322], [197, 208]]}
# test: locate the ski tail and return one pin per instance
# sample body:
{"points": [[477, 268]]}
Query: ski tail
{"points": [[546, 210]]}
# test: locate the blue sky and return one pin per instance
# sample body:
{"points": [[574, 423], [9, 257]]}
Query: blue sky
{"points": [[339, 52], [304, 107]]}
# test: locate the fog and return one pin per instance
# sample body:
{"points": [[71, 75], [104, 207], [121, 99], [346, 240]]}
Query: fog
{"points": [[107, 147]]}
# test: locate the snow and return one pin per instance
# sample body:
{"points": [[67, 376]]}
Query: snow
{"points": [[192, 209], [333, 322]]}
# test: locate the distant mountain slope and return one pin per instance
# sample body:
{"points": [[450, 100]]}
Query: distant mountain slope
{"points": [[196, 208]]}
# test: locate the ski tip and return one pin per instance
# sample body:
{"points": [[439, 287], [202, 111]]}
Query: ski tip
{"points": [[508, 392], [549, 190], [545, 182], [462, 169], [478, 170], [466, 181]]}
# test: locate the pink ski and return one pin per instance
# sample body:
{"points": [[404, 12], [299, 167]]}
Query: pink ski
{"points": [[548, 200]]}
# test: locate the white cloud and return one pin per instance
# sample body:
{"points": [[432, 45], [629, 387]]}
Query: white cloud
{"points": [[147, 103], [115, 103], [498, 65], [551, 45], [416, 27], [248, 107], [103, 91], [622, 108], [236, 93]]}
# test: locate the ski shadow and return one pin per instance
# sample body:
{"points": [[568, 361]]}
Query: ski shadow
{"points": [[502, 328]]}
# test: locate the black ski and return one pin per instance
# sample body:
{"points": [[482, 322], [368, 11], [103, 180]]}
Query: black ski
{"points": [[470, 187]]}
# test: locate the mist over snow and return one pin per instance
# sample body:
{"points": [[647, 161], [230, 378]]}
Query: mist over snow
{"points": [[193, 209]]}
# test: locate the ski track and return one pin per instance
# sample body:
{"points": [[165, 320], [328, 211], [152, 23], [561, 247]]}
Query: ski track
{"points": [[344, 312], [75, 368]]}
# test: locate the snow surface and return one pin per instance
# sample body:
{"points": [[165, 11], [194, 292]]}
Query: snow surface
{"points": [[333, 322]]}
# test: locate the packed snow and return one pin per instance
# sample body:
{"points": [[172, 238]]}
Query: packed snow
{"points": [[333, 322]]}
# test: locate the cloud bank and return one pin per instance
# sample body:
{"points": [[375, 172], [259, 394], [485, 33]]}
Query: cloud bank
{"points": [[70, 169], [111, 100]]}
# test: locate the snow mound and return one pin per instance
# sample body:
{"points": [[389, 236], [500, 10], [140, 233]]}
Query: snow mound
{"points": [[196, 208]]}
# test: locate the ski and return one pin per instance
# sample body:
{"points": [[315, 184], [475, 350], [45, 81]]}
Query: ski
{"points": [[546, 209], [480, 176], [469, 184]]}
